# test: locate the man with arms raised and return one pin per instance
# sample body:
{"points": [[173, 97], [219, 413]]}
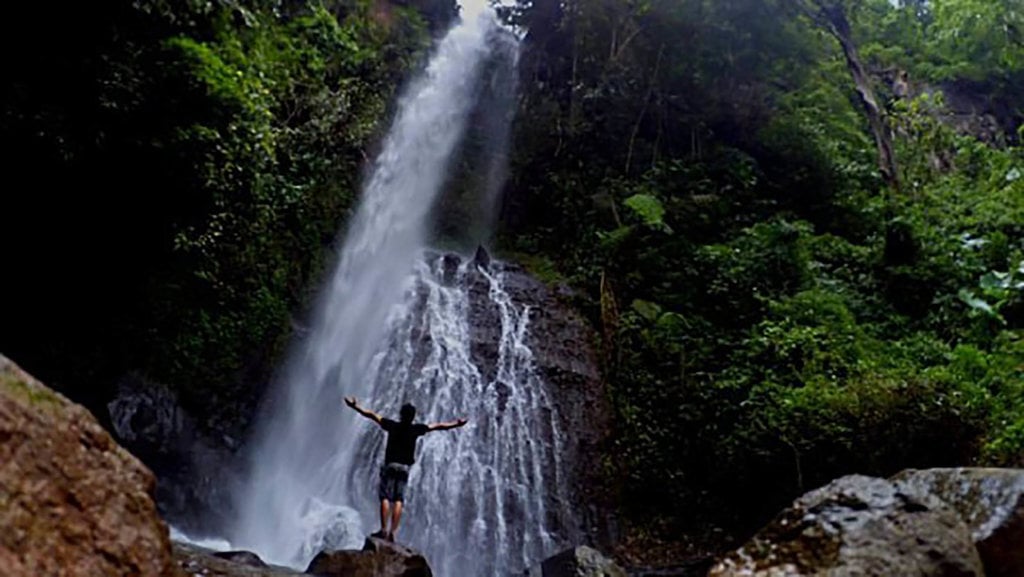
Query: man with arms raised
{"points": [[398, 458]]}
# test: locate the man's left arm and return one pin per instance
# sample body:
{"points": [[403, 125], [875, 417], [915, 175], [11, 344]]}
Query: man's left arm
{"points": [[447, 425]]}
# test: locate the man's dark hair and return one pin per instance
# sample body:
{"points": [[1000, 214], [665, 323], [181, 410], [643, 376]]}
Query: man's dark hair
{"points": [[408, 413]]}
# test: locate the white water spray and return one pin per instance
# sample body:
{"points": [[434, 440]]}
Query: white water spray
{"points": [[491, 498], [388, 331]]}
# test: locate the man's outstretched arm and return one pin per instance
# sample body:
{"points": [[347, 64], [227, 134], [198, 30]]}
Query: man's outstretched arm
{"points": [[351, 401], [449, 425]]}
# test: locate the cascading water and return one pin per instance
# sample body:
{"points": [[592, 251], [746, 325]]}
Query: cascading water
{"points": [[490, 498], [484, 499]]}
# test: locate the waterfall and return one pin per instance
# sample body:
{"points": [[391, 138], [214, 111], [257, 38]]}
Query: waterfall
{"points": [[391, 327], [487, 499]]}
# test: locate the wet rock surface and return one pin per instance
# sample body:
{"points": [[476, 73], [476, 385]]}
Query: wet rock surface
{"points": [[72, 502], [193, 470], [565, 356], [859, 525], [193, 560], [990, 502], [378, 558], [241, 557], [580, 561]]}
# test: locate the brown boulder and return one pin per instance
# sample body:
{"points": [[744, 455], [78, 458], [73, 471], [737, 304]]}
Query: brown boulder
{"points": [[859, 525], [72, 502], [990, 501], [378, 558]]}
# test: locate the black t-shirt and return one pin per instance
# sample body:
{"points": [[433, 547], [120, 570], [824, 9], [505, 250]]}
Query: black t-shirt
{"points": [[402, 440]]}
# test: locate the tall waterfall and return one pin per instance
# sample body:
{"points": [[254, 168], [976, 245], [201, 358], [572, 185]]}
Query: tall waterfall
{"points": [[391, 327]]}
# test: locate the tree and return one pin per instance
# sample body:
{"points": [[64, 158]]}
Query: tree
{"points": [[832, 16]]}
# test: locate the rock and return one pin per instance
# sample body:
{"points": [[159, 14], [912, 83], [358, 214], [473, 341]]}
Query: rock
{"points": [[990, 501], [580, 561], [72, 502], [482, 258], [695, 568], [241, 557], [859, 525], [378, 558], [194, 471], [194, 560], [564, 354]]}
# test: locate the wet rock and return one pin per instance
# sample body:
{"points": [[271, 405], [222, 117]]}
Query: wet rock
{"points": [[378, 558], [580, 561], [990, 501], [247, 558], [450, 268], [482, 258], [694, 568], [564, 354], [859, 525], [194, 560], [193, 470], [72, 502]]}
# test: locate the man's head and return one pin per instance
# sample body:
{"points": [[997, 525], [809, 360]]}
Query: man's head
{"points": [[408, 413]]}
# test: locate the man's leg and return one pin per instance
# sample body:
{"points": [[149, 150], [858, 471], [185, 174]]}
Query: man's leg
{"points": [[396, 516], [384, 506]]}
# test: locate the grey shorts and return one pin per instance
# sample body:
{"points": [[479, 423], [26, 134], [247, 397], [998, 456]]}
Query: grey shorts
{"points": [[393, 478]]}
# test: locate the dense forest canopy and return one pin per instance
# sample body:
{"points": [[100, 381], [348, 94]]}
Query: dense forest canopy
{"points": [[798, 225]]}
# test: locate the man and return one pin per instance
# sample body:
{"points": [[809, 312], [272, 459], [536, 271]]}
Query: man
{"points": [[398, 458]]}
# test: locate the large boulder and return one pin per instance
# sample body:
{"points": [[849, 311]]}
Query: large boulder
{"points": [[859, 525], [990, 501], [378, 558], [580, 561], [72, 502]]}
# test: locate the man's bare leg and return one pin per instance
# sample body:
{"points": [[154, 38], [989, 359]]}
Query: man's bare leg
{"points": [[396, 516], [384, 510]]}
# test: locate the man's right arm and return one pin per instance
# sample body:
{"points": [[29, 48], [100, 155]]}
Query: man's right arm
{"points": [[351, 402]]}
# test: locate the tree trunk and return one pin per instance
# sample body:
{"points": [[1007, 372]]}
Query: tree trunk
{"points": [[833, 17]]}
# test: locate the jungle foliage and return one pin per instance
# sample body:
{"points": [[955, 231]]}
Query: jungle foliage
{"points": [[776, 307], [774, 311], [177, 172]]}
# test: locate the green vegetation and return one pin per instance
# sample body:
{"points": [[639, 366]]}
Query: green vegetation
{"points": [[180, 171], [35, 395], [797, 224], [775, 312]]}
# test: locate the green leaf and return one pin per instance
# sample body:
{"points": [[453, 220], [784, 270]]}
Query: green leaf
{"points": [[615, 237], [673, 322], [977, 303], [649, 209], [995, 280], [646, 309]]}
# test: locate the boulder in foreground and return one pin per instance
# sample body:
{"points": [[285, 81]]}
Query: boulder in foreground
{"points": [[72, 502], [990, 501], [379, 558], [859, 525], [580, 561]]}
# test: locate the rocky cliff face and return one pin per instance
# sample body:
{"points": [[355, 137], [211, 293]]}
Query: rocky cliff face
{"points": [[72, 502], [565, 352]]}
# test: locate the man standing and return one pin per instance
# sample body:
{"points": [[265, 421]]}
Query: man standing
{"points": [[398, 458]]}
